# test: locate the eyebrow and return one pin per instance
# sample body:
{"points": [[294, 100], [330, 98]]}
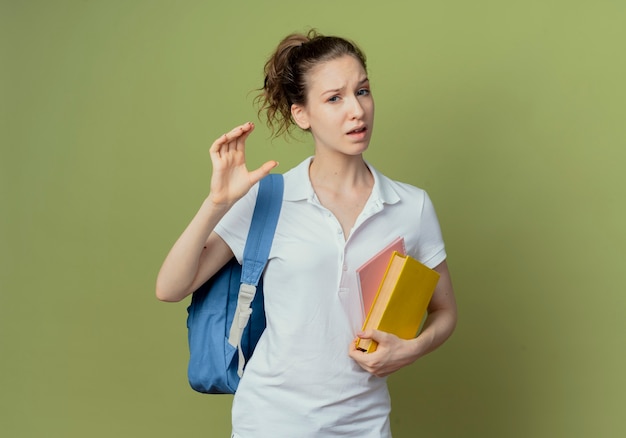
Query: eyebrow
{"points": [[336, 90]]}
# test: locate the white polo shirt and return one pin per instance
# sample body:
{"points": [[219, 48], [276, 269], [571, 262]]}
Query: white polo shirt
{"points": [[300, 382]]}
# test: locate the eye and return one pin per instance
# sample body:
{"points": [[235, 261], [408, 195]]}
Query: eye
{"points": [[334, 99], [363, 92]]}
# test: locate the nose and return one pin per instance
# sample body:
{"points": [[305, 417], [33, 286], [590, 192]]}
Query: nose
{"points": [[356, 109]]}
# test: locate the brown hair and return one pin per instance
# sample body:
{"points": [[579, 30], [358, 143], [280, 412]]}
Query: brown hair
{"points": [[286, 71]]}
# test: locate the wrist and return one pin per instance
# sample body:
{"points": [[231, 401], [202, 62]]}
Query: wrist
{"points": [[420, 345], [217, 204]]}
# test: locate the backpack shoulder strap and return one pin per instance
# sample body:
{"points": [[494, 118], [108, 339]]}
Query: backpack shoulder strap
{"points": [[256, 252], [264, 219]]}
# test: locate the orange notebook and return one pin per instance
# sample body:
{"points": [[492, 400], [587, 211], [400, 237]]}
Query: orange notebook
{"points": [[371, 273], [401, 301]]}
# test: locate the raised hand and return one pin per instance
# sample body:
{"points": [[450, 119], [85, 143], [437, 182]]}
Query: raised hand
{"points": [[231, 178]]}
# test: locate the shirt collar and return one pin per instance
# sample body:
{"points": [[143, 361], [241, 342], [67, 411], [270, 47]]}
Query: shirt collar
{"points": [[298, 185]]}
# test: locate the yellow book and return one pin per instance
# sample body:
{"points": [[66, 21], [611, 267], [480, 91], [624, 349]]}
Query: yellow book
{"points": [[401, 300]]}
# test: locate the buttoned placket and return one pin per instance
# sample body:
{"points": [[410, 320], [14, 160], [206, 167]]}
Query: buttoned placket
{"points": [[343, 289], [339, 239], [372, 207]]}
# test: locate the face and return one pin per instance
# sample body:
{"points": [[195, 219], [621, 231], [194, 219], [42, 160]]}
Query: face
{"points": [[340, 109]]}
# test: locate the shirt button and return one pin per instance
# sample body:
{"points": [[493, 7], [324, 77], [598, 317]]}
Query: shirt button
{"points": [[345, 267]]}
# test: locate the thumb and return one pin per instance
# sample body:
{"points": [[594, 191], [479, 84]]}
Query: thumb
{"points": [[263, 171], [374, 335]]}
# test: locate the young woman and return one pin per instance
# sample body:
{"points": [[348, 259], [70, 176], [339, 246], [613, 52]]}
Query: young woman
{"points": [[306, 378]]}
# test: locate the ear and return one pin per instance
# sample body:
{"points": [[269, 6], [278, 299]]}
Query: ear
{"points": [[300, 116]]}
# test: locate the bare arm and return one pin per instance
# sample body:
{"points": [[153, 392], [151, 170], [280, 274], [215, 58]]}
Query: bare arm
{"points": [[199, 252], [394, 353]]}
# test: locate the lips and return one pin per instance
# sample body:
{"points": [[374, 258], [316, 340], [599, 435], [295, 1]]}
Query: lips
{"points": [[358, 130]]}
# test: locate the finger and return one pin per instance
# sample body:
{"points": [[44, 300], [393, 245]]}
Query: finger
{"points": [[262, 171], [236, 139], [357, 355], [366, 334], [241, 140], [225, 139], [239, 131], [218, 144]]}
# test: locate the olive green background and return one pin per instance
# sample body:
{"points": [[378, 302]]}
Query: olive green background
{"points": [[510, 114]]}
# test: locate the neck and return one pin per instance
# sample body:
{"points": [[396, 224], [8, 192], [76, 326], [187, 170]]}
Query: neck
{"points": [[345, 172]]}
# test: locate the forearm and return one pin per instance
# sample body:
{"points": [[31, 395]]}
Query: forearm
{"points": [[180, 267], [438, 327], [442, 315]]}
